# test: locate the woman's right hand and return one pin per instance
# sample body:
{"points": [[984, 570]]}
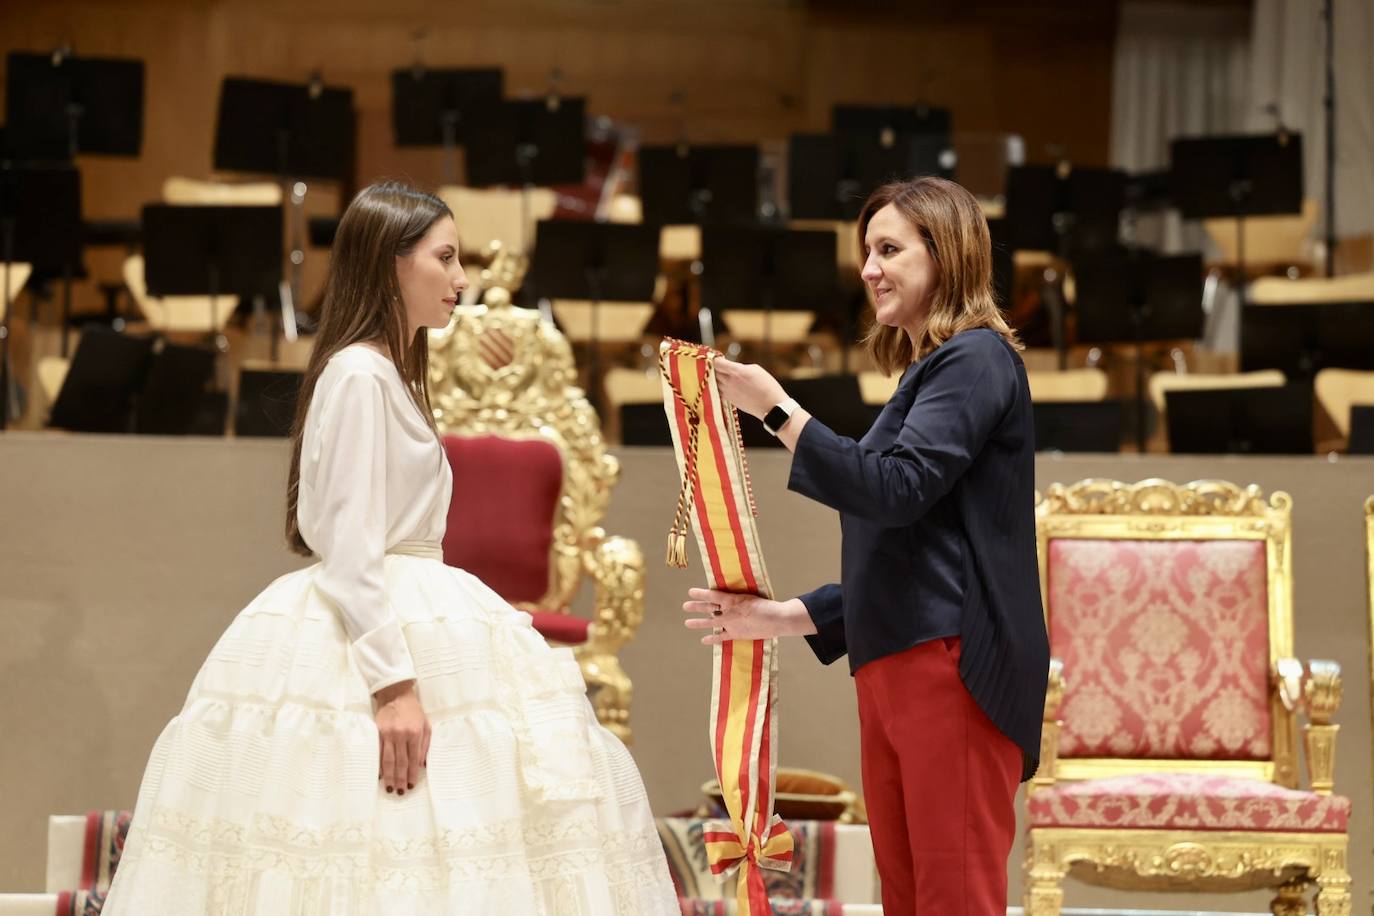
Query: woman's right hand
{"points": [[731, 616], [404, 732]]}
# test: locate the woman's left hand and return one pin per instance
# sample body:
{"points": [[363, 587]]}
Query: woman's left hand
{"points": [[747, 386]]}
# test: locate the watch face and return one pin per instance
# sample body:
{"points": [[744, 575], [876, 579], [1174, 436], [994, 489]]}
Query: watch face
{"points": [[774, 419]]}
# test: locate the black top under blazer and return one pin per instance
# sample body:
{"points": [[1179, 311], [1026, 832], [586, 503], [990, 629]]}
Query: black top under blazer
{"points": [[937, 517]]}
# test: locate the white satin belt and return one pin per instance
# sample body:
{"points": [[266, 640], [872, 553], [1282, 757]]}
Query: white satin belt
{"points": [[426, 550]]}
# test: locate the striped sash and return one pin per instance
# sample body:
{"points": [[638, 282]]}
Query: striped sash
{"points": [[716, 501]]}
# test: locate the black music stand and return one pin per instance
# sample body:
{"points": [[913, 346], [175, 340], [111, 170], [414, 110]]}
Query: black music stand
{"points": [[1237, 176], [682, 185], [59, 105], [1065, 211], [598, 262], [1132, 296], [100, 391], [1302, 339], [1361, 430], [835, 400], [1077, 426], [1247, 421], [644, 424], [292, 131], [433, 107], [212, 251], [176, 397], [40, 224], [528, 143], [765, 267], [267, 402]]}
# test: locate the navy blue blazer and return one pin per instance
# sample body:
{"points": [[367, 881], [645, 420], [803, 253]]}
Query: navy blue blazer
{"points": [[937, 518]]}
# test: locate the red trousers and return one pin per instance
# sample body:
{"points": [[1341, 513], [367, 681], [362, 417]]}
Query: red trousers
{"points": [[940, 785]]}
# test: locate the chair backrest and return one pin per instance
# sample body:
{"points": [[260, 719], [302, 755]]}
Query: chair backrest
{"points": [[1312, 290], [176, 313], [1170, 606], [503, 371], [184, 191], [501, 517], [486, 215], [18, 276], [1338, 390], [1162, 382], [1268, 239], [1068, 385]]}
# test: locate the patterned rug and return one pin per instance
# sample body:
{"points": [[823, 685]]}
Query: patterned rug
{"points": [[810, 882], [105, 833]]}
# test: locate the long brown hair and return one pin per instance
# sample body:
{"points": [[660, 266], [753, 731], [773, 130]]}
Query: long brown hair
{"points": [[362, 302], [955, 232]]}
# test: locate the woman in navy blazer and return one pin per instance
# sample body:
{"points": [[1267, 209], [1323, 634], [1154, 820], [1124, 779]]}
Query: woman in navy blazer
{"points": [[938, 607]]}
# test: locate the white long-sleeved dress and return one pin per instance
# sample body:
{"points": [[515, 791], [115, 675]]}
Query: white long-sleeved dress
{"points": [[262, 796]]}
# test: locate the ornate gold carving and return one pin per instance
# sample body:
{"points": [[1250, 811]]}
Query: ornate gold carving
{"points": [[501, 370], [1099, 496], [1322, 695], [1049, 729]]}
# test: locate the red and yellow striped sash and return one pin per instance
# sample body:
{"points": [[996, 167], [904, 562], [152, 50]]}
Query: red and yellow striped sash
{"points": [[717, 503]]}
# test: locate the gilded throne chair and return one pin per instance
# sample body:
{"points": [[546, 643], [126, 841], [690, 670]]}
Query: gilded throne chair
{"points": [[1170, 752], [531, 481]]}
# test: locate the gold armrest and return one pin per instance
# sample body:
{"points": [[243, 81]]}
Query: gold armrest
{"points": [[616, 566], [1049, 733], [1322, 697]]}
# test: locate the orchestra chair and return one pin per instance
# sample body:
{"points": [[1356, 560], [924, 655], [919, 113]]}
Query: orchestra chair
{"points": [[1161, 383], [183, 191], [1089, 384], [1338, 390], [486, 215], [532, 479], [1271, 242], [176, 314], [1312, 290], [1169, 756]]}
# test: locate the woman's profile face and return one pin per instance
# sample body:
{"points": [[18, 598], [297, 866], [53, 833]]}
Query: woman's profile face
{"points": [[899, 271], [431, 278]]}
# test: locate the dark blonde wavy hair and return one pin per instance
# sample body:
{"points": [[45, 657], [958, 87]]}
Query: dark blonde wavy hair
{"points": [[952, 225], [362, 302]]}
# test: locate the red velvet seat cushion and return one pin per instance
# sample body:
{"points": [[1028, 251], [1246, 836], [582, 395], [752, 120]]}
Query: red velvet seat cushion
{"points": [[500, 520], [564, 628], [1186, 801]]}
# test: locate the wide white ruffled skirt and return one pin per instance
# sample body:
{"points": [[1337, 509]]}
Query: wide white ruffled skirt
{"points": [[262, 796]]}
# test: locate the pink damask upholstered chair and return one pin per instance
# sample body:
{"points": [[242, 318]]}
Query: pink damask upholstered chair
{"points": [[531, 482], [1170, 751]]}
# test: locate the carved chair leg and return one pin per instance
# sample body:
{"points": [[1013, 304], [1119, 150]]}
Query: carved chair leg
{"points": [[609, 691], [1291, 899], [1333, 893], [1044, 894]]}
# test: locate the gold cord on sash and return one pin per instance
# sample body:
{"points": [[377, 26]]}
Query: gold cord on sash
{"points": [[677, 534]]}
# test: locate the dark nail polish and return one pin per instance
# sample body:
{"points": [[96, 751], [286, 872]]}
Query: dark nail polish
{"points": [[400, 791], [388, 790], [410, 785]]}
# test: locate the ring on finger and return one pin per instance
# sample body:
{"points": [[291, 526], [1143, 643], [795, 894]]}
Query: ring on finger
{"points": [[716, 610]]}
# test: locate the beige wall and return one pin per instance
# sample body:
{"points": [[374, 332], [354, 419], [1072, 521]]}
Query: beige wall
{"points": [[122, 559]]}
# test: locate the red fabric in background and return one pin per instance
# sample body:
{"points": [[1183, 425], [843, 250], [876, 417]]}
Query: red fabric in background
{"points": [[500, 520]]}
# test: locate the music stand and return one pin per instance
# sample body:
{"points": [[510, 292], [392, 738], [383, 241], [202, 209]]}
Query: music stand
{"points": [[597, 262], [432, 107], [267, 402], [835, 400], [764, 267], [175, 399], [1077, 426], [644, 424], [528, 143], [1137, 297], [293, 131], [1064, 211], [40, 224], [681, 185], [1361, 430], [1302, 339], [1237, 176], [59, 105], [1249, 421], [212, 251], [100, 389]]}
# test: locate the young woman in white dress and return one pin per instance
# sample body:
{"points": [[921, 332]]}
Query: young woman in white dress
{"points": [[380, 733]]}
